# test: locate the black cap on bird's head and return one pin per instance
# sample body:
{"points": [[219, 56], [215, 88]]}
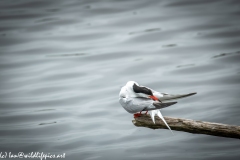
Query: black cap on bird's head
{"points": [[138, 89], [133, 89]]}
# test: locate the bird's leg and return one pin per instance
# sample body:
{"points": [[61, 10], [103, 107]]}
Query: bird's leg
{"points": [[138, 114]]}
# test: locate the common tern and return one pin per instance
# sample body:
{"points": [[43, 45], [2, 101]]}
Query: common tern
{"points": [[135, 98]]}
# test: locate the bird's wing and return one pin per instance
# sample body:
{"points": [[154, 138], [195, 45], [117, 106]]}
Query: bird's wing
{"points": [[166, 96], [158, 105]]}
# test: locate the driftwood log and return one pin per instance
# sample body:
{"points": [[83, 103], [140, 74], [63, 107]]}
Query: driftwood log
{"points": [[191, 126]]}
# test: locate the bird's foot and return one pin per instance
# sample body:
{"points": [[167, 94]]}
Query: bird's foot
{"points": [[137, 115]]}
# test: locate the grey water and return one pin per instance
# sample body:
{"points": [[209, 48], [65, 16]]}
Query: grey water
{"points": [[62, 64]]}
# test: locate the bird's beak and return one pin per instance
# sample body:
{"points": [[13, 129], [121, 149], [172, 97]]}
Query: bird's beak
{"points": [[153, 98]]}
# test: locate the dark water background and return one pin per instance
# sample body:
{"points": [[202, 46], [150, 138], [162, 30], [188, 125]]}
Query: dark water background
{"points": [[62, 64]]}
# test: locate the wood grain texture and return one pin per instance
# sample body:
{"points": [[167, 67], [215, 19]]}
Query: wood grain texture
{"points": [[191, 126]]}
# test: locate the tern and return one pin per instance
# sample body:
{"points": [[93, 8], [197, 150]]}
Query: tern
{"points": [[135, 98]]}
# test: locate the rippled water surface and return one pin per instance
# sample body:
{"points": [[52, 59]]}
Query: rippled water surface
{"points": [[62, 64]]}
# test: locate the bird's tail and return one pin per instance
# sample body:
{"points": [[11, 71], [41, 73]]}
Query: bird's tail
{"points": [[152, 114]]}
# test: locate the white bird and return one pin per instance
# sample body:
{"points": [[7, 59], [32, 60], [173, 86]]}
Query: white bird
{"points": [[135, 98]]}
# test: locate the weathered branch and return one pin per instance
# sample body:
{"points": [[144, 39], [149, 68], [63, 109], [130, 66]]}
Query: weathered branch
{"points": [[187, 125]]}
